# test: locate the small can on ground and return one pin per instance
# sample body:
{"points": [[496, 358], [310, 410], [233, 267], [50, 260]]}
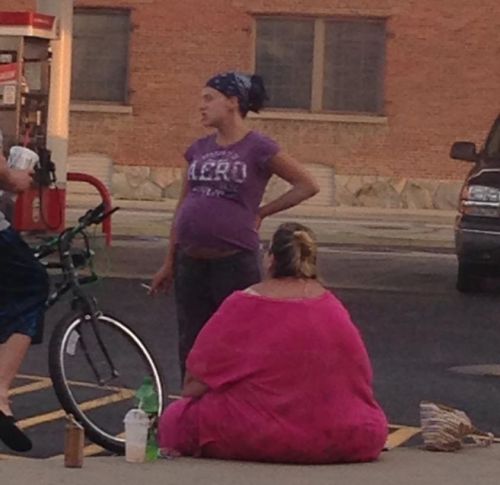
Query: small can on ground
{"points": [[74, 441]]}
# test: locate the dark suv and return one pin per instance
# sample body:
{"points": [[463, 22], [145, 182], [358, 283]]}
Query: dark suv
{"points": [[477, 227]]}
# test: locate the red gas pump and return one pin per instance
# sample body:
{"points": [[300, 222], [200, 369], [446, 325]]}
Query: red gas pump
{"points": [[24, 101], [42, 207]]}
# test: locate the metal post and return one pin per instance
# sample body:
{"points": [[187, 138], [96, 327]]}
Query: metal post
{"points": [[60, 85]]}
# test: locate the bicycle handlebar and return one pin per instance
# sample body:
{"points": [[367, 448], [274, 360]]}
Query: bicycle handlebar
{"points": [[94, 216], [91, 217]]}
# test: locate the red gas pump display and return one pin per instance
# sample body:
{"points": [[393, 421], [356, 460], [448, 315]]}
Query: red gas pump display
{"points": [[24, 100]]}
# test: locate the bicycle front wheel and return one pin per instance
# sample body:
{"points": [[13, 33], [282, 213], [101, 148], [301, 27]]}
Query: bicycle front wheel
{"points": [[95, 371]]}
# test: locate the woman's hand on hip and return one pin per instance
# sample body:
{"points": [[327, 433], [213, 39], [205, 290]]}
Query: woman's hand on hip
{"points": [[258, 222], [303, 184]]}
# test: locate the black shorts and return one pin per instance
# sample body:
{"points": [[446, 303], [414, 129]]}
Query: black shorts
{"points": [[24, 287]]}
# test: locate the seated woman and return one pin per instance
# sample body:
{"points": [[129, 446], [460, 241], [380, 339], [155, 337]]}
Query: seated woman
{"points": [[279, 373]]}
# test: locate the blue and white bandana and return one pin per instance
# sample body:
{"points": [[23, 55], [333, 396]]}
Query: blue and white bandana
{"points": [[233, 84]]}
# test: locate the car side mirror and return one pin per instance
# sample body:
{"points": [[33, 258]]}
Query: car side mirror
{"points": [[464, 150]]}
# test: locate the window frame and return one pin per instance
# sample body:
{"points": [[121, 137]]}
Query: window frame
{"points": [[127, 90], [319, 46]]}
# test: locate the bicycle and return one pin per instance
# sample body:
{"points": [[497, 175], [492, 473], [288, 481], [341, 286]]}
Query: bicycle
{"points": [[94, 358]]}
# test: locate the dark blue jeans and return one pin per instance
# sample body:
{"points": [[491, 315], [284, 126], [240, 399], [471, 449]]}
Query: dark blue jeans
{"points": [[24, 286], [201, 285]]}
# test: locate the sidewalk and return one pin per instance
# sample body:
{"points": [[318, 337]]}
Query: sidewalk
{"points": [[146, 220], [140, 231], [400, 466]]}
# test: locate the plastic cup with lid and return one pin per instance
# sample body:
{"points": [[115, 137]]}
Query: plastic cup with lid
{"points": [[136, 435]]}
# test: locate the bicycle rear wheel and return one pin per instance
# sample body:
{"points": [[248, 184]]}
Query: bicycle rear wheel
{"points": [[100, 402]]}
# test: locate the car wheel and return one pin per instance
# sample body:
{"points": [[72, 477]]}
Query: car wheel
{"points": [[468, 280]]}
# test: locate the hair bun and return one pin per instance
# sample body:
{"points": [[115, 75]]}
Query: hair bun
{"points": [[294, 250], [306, 243], [257, 94]]}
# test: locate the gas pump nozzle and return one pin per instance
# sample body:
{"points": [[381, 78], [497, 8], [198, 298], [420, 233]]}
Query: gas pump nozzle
{"points": [[45, 169]]}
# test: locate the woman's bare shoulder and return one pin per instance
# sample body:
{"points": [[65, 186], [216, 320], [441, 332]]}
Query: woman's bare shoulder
{"points": [[251, 291], [275, 289]]}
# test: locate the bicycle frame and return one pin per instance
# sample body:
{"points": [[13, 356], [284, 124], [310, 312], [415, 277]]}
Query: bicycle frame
{"points": [[71, 281], [81, 302]]}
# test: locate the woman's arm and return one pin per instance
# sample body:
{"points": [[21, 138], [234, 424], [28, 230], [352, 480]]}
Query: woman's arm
{"points": [[303, 184], [193, 387], [164, 276]]}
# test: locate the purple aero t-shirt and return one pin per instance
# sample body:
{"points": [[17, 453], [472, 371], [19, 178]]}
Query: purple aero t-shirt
{"points": [[225, 189]]}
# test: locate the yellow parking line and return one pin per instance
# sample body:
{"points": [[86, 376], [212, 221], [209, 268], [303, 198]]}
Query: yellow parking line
{"points": [[398, 426], [31, 377], [85, 406], [97, 386], [96, 449], [34, 386], [92, 450], [73, 383], [82, 384], [403, 434], [89, 450]]}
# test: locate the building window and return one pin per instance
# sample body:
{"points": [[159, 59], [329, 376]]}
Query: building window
{"points": [[322, 65], [100, 55]]}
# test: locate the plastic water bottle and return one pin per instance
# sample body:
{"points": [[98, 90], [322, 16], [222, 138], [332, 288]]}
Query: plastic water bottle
{"points": [[147, 401], [147, 397]]}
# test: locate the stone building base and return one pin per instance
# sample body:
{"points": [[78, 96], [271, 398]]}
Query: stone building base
{"points": [[157, 183]]}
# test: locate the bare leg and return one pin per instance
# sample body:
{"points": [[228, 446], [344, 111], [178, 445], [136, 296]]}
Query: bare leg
{"points": [[12, 355]]}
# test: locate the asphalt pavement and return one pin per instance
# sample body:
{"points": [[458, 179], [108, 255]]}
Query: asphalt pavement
{"points": [[140, 231]]}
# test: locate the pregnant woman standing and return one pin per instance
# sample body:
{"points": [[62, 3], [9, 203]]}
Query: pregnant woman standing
{"points": [[214, 242]]}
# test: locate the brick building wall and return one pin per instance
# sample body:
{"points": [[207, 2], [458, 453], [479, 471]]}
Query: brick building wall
{"points": [[441, 84]]}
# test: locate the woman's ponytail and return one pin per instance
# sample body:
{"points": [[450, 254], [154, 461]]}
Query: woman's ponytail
{"points": [[257, 95]]}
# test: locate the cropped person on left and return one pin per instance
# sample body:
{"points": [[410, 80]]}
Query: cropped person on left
{"points": [[23, 291]]}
